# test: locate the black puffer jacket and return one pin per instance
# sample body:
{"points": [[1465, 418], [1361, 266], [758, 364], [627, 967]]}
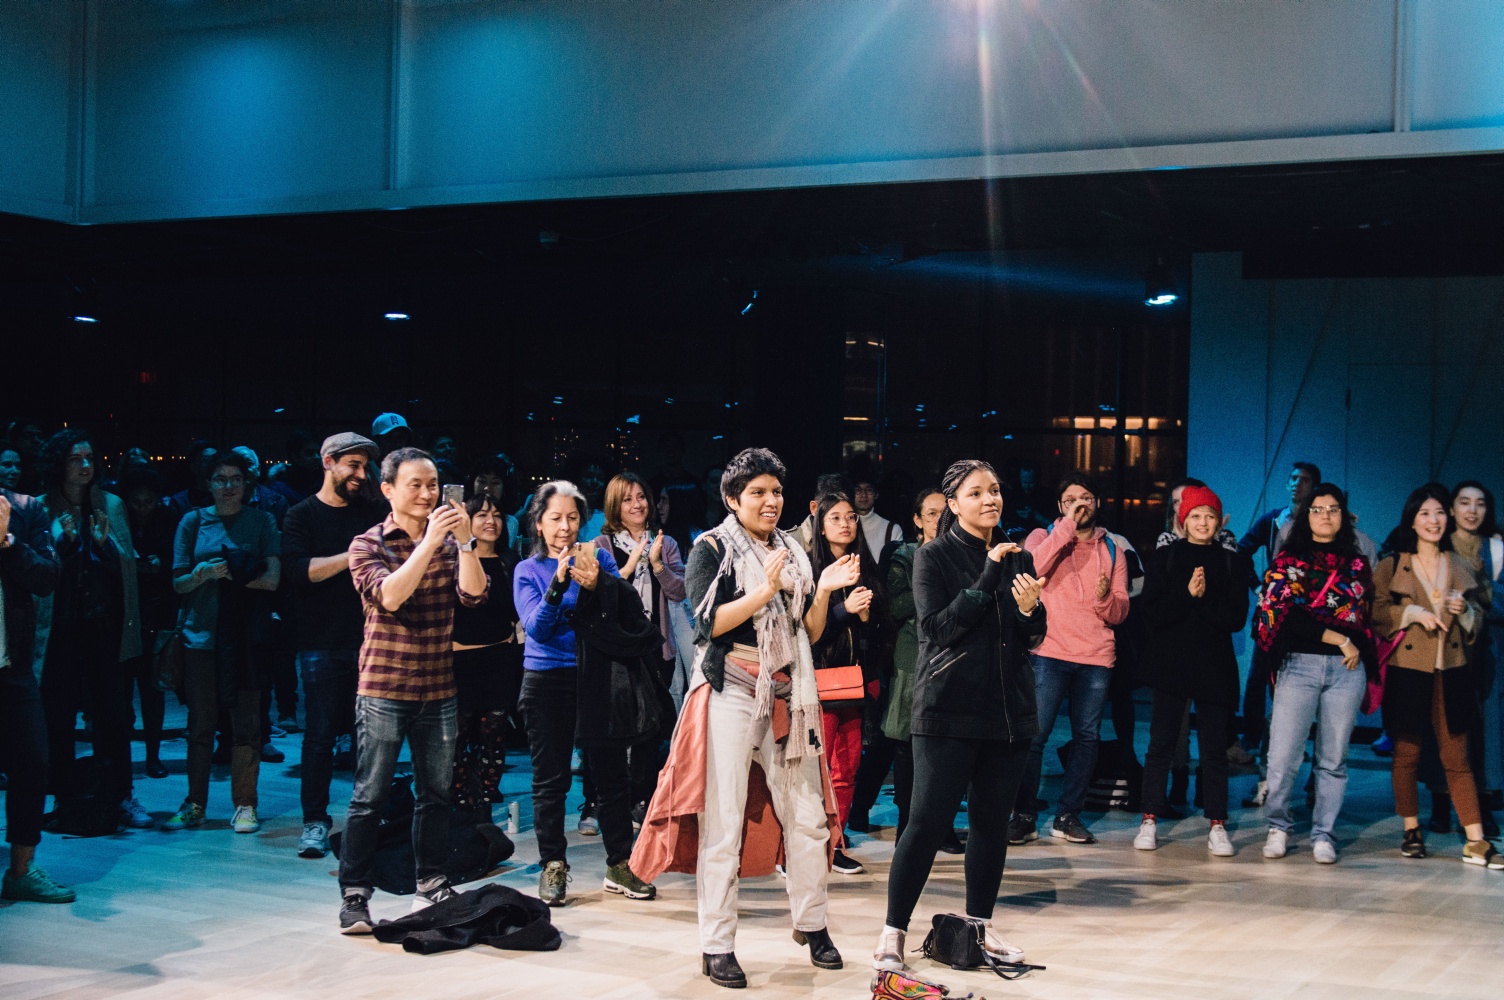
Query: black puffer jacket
{"points": [[974, 679]]}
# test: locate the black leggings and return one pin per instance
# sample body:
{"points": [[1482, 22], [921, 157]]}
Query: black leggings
{"points": [[943, 769], [877, 758]]}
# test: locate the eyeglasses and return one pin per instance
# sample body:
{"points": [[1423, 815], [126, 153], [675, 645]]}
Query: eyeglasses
{"points": [[220, 483], [838, 519], [1083, 498], [1324, 511]]}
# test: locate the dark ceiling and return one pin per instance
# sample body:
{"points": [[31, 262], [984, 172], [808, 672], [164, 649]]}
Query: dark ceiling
{"points": [[1423, 216]]}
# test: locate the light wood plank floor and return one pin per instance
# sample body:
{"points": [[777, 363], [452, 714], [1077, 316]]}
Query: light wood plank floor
{"points": [[207, 913]]}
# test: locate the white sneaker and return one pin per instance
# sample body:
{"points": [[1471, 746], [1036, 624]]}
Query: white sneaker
{"points": [[1324, 852], [888, 955], [994, 945], [135, 816], [245, 820], [1219, 843], [1277, 844], [1148, 836]]}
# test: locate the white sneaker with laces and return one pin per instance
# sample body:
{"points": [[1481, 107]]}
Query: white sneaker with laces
{"points": [[994, 944], [245, 820], [1324, 852], [1219, 843], [888, 955], [1148, 835], [1277, 844], [135, 816]]}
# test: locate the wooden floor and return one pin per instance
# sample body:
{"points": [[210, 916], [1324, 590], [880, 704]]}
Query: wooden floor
{"points": [[206, 913]]}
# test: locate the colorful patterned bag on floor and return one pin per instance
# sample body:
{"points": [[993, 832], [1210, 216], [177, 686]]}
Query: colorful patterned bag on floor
{"points": [[897, 986]]}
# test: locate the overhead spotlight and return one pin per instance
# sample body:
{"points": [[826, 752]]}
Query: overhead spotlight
{"points": [[1159, 286], [748, 307], [84, 319], [396, 316]]}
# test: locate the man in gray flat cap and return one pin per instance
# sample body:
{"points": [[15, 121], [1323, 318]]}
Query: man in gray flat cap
{"points": [[328, 624]]}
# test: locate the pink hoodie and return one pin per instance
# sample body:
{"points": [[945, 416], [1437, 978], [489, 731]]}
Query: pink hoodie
{"points": [[1080, 628]]}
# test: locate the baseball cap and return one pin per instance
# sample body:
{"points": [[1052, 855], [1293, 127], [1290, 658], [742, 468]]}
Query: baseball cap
{"points": [[386, 423], [347, 441]]}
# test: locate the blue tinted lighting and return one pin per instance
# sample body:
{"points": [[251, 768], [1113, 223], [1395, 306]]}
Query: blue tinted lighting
{"points": [[395, 316], [85, 319], [1162, 299]]}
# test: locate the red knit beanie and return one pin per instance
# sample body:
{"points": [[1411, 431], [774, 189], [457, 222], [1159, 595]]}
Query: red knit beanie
{"points": [[1197, 496]]}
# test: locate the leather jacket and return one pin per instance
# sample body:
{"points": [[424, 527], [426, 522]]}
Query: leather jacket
{"points": [[974, 678]]}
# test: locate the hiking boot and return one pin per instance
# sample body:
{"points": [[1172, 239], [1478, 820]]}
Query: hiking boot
{"points": [[133, 815], [355, 914], [245, 820], [315, 840], [1414, 844], [36, 886], [189, 814], [552, 882], [621, 880], [1022, 828], [1070, 829]]}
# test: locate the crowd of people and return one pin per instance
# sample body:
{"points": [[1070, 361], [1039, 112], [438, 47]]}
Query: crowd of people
{"points": [[734, 695]]}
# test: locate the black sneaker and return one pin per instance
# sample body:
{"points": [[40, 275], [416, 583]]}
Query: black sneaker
{"points": [[639, 816], [553, 882], [1414, 844], [843, 865], [424, 898], [271, 755], [952, 844], [1068, 828], [355, 914], [1022, 828]]}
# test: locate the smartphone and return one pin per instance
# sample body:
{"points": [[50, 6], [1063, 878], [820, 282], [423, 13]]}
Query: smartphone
{"points": [[454, 494]]}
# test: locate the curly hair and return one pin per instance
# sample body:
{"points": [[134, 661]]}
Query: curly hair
{"points": [[52, 460]]}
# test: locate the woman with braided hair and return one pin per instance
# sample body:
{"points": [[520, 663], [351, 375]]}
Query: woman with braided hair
{"points": [[747, 751]]}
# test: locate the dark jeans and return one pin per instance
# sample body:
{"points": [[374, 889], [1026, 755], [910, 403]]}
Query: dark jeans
{"points": [[548, 710], [1213, 724], [1255, 698], [141, 675], [943, 770], [23, 755], [201, 687], [329, 679], [381, 724], [1087, 686], [83, 674]]}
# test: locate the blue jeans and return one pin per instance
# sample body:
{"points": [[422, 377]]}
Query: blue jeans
{"points": [[1087, 686], [1312, 688], [329, 680], [381, 724]]}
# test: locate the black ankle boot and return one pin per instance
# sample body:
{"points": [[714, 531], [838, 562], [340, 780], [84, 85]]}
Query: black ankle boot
{"points": [[723, 970], [1441, 813], [822, 951]]}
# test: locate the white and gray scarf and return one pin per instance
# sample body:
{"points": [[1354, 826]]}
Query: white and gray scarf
{"points": [[642, 577], [782, 641]]}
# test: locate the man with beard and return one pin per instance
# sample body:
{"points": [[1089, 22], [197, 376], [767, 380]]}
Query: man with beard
{"points": [[328, 623]]}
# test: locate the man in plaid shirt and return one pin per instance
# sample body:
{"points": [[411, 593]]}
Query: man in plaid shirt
{"points": [[411, 571]]}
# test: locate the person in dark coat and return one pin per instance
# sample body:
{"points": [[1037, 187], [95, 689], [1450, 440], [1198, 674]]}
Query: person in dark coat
{"points": [[1195, 600]]}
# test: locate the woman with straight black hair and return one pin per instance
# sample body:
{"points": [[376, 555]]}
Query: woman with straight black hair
{"points": [[975, 713], [856, 635], [1426, 595], [1314, 619]]}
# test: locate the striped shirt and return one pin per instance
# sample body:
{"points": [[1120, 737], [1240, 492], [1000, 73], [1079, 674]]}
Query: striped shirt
{"points": [[406, 654]]}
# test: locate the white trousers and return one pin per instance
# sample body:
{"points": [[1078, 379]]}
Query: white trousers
{"points": [[733, 745]]}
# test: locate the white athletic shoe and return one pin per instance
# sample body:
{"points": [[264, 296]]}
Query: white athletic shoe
{"points": [[1000, 949], [1219, 843], [1148, 836], [1277, 844], [888, 955], [1324, 852]]}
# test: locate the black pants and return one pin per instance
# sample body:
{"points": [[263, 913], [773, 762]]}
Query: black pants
{"points": [[83, 674], [23, 755], [548, 709], [1213, 724], [141, 676], [877, 759], [1255, 695], [903, 782], [944, 770]]}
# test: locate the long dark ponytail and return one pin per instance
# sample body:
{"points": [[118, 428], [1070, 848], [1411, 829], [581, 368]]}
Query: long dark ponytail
{"points": [[951, 482]]}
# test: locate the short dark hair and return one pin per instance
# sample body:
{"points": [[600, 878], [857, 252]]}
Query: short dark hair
{"points": [[541, 497], [394, 462], [747, 465], [141, 477], [1300, 541], [1081, 479], [477, 503], [1309, 468], [1403, 538], [1490, 525], [833, 482], [923, 495], [233, 458]]}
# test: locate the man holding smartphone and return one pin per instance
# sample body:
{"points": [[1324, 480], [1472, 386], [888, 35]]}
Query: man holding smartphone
{"points": [[411, 572]]}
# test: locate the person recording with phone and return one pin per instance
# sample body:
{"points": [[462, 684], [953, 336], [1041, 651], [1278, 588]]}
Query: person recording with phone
{"points": [[412, 571], [546, 588]]}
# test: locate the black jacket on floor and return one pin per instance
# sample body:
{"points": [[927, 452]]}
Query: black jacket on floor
{"points": [[974, 680], [493, 914], [1190, 638]]}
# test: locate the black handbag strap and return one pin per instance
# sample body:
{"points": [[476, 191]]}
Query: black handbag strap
{"points": [[1004, 970]]}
